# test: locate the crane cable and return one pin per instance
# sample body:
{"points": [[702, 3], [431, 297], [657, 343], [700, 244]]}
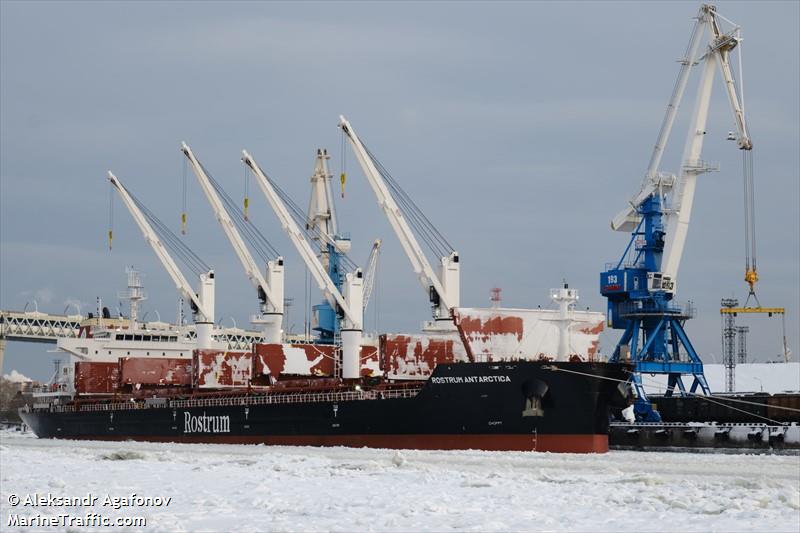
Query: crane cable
{"points": [[171, 241], [183, 185], [343, 163], [246, 202], [110, 214], [429, 234], [751, 266], [241, 221], [688, 393], [301, 219]]}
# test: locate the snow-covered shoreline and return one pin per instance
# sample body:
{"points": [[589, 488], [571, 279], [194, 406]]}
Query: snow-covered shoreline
{"points": [[230, 487]]}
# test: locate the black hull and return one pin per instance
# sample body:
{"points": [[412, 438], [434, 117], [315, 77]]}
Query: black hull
{"points": [[560, 407]]}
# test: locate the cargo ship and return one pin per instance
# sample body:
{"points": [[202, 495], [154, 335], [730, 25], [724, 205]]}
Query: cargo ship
{"points": [[469, 389], [523, 405]]}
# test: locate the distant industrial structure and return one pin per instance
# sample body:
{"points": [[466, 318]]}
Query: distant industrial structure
{"points": [[734, 338]]}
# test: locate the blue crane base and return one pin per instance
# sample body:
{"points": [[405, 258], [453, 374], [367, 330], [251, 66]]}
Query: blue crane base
{"points": [[660, 354], [640, 303]]}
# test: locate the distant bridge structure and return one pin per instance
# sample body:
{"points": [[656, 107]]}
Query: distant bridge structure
{"points": [[33, 326]]}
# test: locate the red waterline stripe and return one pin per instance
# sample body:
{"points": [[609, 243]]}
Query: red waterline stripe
{"points": [[539, 443]]}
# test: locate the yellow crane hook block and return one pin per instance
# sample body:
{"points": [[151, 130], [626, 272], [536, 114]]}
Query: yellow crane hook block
{"points": [[751, 277]]}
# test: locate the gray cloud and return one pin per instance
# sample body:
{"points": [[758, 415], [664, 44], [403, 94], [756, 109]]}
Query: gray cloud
{"points": [[519, 128]]}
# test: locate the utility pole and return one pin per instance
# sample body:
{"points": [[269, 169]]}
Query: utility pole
{"points": [[729, 343]]}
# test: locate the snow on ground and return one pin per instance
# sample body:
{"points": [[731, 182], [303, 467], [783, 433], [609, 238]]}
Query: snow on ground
{"points": [[750, 377], [229, 487]]}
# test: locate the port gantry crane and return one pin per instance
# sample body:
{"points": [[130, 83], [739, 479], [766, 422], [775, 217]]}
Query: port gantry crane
{"points": [[270, 287], [442, 288], [347, 302], [202, 301], [641, 286], [322, 227]]}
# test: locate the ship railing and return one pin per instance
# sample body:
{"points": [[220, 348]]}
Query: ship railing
{"points": [[298, 397], [619, 265], [244, 401], [684, 310]]}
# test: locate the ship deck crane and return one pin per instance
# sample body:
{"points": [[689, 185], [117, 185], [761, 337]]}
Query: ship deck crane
{"points": [[640, 289], [347, 302], [442, 288], [202, 301], [269, 287]]}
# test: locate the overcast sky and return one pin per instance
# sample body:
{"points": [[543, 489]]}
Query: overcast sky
{"points": [[519, 128]]}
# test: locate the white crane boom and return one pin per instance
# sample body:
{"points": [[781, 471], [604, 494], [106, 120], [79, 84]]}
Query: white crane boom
{"points": [[272, 310], [446, 285], [321, 214], [682, 187], [204, 301], [371, 269], [691, 163], [321, 219], [687, 62], [627, 219]]}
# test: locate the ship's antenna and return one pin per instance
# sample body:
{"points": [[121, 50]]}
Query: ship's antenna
{"points": [[496, 298], [134, 294]]}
